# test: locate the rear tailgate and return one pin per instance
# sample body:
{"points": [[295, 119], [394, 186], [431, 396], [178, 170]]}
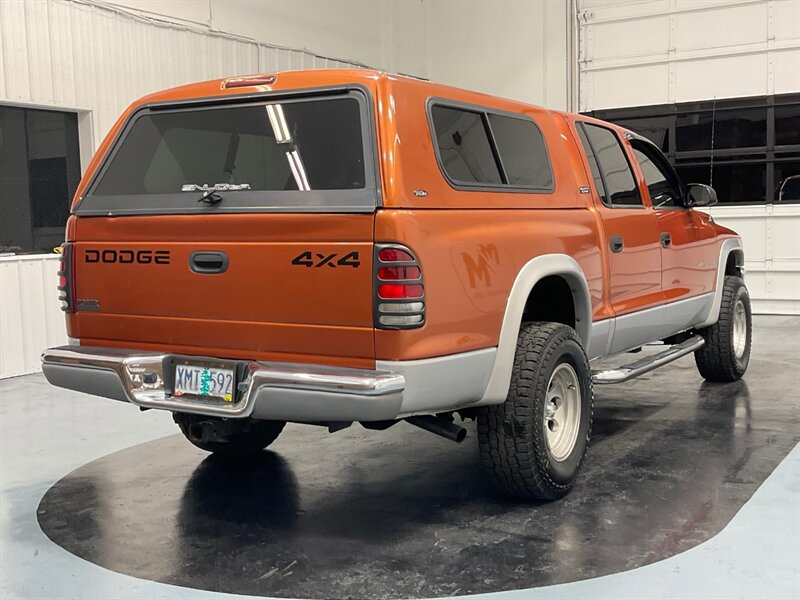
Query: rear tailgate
{"points": [[239, 230]]}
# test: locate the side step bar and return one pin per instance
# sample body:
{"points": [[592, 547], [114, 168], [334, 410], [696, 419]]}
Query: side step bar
{"points": [[648, 363]]}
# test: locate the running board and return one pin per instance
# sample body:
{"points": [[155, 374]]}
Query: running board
{"points": [[648, 363]]}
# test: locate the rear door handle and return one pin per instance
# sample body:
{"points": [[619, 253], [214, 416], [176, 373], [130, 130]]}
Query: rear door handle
{"points": [[208, 262], [616, 243], [666, 240]]}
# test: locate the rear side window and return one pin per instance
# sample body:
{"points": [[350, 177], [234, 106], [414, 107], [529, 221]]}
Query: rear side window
{"points": [[521, 147], [464, 147], [295, 155], [484, 149], [618, 181]]}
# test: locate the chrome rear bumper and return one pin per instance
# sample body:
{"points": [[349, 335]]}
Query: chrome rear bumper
{"points": [[280, 391]]}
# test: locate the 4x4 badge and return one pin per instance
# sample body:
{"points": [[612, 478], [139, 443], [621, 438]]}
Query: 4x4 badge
{"points": [[316, 259]]}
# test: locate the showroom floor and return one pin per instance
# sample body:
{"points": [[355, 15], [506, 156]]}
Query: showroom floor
{"points": [[690, 490]]}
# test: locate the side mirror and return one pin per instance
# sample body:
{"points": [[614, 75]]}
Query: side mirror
{"points": [[700, 195]]}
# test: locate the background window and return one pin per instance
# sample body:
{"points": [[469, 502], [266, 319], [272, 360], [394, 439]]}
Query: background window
{"points": [[733, 182], [464, 146], [618, 178], [784, 170], [655, 129], [742, 128], [522, 151], [756, 142], [787, 125], [39, 173]]}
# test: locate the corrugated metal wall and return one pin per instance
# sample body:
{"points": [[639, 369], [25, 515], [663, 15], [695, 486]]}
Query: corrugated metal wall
{"points": [[78, 55], [30, 317], [634, 53]]}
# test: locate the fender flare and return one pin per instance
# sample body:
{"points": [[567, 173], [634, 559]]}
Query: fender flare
{"points": [[729, 246], [535, 270]]}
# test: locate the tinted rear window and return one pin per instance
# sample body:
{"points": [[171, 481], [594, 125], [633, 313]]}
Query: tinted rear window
{"points": [[302, 154]]}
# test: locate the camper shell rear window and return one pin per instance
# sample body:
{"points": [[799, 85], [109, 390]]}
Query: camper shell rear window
{"points": [[290, 154]]}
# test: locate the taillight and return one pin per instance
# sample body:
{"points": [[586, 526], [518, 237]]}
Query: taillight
{"points": [[399, 288], [66, 279]]}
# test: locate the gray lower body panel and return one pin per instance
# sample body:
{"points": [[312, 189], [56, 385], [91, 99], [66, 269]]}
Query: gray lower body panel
{"points": [[280, 391]]}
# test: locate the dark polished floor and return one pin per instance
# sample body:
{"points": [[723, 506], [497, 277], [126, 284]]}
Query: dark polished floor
{"points": [[402, 513]]}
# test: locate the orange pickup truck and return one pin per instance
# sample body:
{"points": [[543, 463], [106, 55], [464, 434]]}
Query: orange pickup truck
{"points": [[339, 246]]}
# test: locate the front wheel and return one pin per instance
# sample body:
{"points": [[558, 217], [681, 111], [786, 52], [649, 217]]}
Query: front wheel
{"points": [[534, 443], [726, 353], [249, 437]]}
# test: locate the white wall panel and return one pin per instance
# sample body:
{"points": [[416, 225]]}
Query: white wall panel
{"points": [[771, 238], [515, 49], [720, 77], [716, 27], [30, 317], [705, 49], [648, 37], [618, 87], [786, 62]]}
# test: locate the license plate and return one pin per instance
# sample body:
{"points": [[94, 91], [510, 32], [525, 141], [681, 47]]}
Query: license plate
{"points": [[204, 382]]}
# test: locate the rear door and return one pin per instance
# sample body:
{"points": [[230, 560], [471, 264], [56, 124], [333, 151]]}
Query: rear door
{"points": [[630, 227], [236, 229]]}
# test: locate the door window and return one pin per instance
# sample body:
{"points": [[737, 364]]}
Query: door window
{"points": [[619, 183], [662, 183]]}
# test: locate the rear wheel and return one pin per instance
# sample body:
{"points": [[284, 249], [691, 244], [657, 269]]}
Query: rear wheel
{"points": [[534, 443], [209, 434], [726, 353]]}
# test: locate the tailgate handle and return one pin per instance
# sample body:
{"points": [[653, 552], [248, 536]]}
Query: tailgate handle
{"points": [[208, 263]]}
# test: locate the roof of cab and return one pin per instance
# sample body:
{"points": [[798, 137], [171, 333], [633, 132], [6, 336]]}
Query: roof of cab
{"points": [[298, 79]]}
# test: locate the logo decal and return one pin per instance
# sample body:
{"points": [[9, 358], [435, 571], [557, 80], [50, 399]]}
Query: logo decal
{"points": [[127, 257], [219, 187], [480, 267], [87, 305]]}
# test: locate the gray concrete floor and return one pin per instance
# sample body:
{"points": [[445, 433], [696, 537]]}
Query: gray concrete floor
{"points": [[690, 491]]}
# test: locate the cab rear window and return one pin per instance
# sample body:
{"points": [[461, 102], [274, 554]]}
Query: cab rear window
{"points": [[302, 154]]}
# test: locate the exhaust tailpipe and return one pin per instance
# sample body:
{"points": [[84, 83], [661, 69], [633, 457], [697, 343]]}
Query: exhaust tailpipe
{"points": [[446, 429]]}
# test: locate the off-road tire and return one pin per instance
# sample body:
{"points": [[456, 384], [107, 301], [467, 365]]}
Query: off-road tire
{"points": [[257, 436], [718, 359], [512, 437]]}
